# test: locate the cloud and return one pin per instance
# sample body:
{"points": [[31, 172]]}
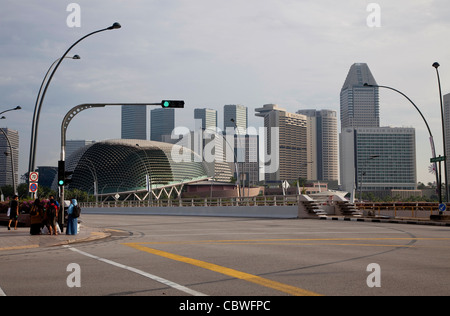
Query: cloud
{"points": [[212, 53]]}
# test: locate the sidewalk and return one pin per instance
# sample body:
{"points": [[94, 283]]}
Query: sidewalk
{"points": [[21, 238]]}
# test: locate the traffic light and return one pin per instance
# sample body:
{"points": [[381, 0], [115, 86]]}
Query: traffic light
{"points": [[63, 175], [172, 104]]}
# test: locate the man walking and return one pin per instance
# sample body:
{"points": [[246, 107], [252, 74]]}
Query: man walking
{"points": [[14, 212]]}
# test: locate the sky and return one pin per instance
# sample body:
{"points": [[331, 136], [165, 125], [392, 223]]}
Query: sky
{"points": [[211, 53]]}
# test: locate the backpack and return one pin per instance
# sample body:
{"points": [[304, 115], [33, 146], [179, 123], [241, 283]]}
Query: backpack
{"points": [[76, 211], [52, 209]]}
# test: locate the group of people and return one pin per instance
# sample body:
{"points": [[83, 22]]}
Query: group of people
{"points": [[44, 215]]}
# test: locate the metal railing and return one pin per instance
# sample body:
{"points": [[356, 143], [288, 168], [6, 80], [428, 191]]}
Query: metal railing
{"points": [[201, 202]]}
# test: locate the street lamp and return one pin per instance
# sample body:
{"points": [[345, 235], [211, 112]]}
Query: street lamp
{"points": [[436, 65], [433, 148], [31, 165], [37, 113]]}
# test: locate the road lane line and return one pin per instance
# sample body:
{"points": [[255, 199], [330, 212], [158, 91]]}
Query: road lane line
{"points": [[1, 292], [140, 272], [288, 289]]}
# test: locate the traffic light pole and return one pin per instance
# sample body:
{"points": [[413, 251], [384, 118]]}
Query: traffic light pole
{"points": [[82, 107]]}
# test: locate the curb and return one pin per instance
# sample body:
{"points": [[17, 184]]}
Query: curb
{"points": [[386, 220]]}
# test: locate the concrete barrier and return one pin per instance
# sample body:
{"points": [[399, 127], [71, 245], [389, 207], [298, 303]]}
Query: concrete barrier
{"points": [[285, 212]]}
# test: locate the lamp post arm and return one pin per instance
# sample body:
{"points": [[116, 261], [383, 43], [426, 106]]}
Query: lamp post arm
{"points": [[34, 141]]}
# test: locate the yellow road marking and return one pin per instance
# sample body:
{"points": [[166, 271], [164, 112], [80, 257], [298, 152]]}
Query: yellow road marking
{"points": [[268, 241], [288, 289], [19, 247]]}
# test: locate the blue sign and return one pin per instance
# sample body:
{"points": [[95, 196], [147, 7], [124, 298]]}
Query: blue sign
{"points": [[442, 207], [33, 187]]}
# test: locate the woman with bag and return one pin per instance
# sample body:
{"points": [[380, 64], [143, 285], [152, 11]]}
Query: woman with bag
{"points": [[36, 214], [72, 220]]}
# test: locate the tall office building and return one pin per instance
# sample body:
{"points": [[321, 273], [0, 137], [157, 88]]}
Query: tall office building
{"points": [[322, 141], [8, 166], [208, 118], [378, 159], [239, 114], [74, 145], [372, 158], [214, 146], [292, 142], [134, 122], [162, 123], [360, 105]]}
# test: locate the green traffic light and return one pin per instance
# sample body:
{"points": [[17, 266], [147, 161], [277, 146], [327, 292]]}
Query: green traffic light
{"points": [[61, 182], [166, 104]]}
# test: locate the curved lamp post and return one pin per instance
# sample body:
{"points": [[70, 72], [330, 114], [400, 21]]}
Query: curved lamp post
{"points": [[31, 166], [436, 65], [433, 150], [37, 113]]}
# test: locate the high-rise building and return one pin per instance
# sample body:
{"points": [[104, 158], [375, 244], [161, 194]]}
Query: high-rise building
{"points": [[372, 158], [162, 123], [214, 145], [360, 105], [447, 130], [378, 159], [292, 142], [8, 166], [208, 118], [239, 114], [134, 122], [74, 145], [322, 141]]}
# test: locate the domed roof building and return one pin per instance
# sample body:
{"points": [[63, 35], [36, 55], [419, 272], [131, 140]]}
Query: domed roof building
{"points": [[123, 166]]}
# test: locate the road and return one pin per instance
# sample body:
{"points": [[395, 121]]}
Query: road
{"points": [[195, 256]]}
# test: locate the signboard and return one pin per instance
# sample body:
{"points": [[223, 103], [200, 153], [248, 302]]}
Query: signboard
{"points": [[33, 187], [442, 207], [438, 159], [34, 176]]}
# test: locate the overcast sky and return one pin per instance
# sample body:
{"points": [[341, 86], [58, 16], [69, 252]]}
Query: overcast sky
{"points": [[210, 53]]}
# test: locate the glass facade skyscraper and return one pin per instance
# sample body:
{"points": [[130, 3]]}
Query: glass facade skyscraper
{"points": [[360, 106], [134, 122]]}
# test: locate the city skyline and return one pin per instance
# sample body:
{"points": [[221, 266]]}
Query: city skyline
{"points": [[211, 54]]}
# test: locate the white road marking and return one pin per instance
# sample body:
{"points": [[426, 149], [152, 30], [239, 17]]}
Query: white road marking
{"points": [[140, 272], [1, 292]]}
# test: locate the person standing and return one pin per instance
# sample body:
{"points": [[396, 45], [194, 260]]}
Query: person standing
{"points": [[52, 215], [36, 213], [72, 222], [14, 213]]}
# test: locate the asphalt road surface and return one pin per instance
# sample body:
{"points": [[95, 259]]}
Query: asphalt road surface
{"points": [[196, 256]]}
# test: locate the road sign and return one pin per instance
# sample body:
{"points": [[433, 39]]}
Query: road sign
{"points": [[442, 207], [34, 176], [33, 187], [438, 159]]}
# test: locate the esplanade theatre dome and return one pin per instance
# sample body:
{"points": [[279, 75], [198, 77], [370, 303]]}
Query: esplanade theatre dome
{"points": [[123, 165]]}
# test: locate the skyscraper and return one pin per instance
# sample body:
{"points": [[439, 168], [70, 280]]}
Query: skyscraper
{"points": [[372, 158], [134, 122], [208, 118], [323, 155], [360, 105], [378, 159], [292, 142], [239, 114], [6, 165], [162, 123]]}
